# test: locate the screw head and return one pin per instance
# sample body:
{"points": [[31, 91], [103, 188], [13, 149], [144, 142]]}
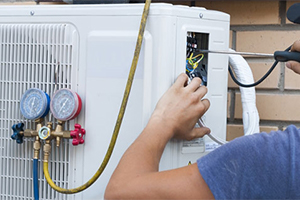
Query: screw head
{"points": [[31, 12], [201, 15]]}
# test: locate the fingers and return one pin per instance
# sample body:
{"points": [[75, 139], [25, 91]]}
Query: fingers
{"points": [[181, 80], [199, 94], [293, 65], [201, 91], [206, 105], [296, 46], [198, 133], [194, 84], [194, 87]]}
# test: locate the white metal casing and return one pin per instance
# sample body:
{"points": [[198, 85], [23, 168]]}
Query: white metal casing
{"points": [[103, 39]]}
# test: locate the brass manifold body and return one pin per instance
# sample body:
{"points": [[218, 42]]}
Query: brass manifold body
{"points": [[56, 134]]}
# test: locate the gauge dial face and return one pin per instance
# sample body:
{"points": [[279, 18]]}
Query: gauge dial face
{"points": [[34, 104], [65, 104]]}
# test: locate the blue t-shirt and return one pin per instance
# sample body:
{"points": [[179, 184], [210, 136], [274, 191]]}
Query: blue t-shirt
{"points": [[259, 166]]}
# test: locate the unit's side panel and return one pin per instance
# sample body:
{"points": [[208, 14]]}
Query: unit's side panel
{"points": [[163, 31], [109, 46], [212, 35], [109, 55]]}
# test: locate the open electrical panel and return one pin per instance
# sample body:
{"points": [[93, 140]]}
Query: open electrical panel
{"points": [[196, 61]]}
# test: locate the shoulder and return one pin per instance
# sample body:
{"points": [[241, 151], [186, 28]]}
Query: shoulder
{"points": [[255, 166], [282, 140], [260, 145]]}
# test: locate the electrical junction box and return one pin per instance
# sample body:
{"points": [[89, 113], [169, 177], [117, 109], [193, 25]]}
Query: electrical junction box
{"points": [[90, 49]]}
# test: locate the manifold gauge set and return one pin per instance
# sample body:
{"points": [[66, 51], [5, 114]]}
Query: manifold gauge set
{"points": [[65, 104]]}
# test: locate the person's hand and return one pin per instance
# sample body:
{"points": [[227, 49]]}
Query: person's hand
{"points": [[294, 65], [180, 108]]}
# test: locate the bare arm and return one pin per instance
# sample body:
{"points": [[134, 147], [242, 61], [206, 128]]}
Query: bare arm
{"points": [[293, 65], [137, 174]]}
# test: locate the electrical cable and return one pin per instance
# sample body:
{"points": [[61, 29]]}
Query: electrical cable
{"points": [[193, 63], [260, 80], [35, 179], [201, 58], [120, 115], [214, 138]]}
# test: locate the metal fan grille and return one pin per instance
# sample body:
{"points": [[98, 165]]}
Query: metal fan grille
{"points": [[31, 55]]}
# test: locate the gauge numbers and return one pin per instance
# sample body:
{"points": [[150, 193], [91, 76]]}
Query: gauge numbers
{"points": [[35, 104], [65, 105]]}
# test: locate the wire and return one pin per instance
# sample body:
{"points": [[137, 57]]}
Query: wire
{"points": [[260, 80], [201, 58], [120, 115], [211, 136], [216, 139], [192, 61]]}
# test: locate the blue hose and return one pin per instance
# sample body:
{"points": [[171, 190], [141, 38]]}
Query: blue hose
{"points": [[35, 179]]}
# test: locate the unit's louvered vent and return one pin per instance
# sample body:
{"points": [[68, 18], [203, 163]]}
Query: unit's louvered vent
{"points": [[30, 54]]}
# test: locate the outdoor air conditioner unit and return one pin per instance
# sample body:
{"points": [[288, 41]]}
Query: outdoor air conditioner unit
{"points": [[90, 48]]}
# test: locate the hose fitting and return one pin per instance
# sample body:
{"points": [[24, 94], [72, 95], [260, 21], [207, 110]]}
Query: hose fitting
{"points": [[47, 150], [36, 147]]}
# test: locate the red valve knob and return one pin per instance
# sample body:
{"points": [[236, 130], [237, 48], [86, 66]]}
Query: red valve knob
{"points": [[78, 134]]}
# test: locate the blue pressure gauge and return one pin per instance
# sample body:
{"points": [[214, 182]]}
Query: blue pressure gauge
{"points": [[35, 104]]}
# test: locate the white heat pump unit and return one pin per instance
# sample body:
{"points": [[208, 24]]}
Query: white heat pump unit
{"points": [[89, 48]]}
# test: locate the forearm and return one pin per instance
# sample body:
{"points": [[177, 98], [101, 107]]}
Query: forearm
{"points": [[144, 154], [175, 115], [142, 157]]}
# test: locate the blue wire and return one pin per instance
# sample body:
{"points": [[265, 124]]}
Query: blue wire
{"points": [[35, 179]]}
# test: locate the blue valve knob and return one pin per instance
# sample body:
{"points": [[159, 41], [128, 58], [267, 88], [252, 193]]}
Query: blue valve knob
{"points": [[17, 128]]}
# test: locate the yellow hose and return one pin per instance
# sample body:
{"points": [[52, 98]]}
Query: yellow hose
{"points": [[120, 115]]}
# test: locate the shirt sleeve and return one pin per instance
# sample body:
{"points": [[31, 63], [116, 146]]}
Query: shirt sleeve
{"points": [[259, 166]]}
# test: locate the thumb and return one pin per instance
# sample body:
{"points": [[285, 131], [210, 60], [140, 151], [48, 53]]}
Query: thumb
{"points": [[198, 133], [293, 65]]}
